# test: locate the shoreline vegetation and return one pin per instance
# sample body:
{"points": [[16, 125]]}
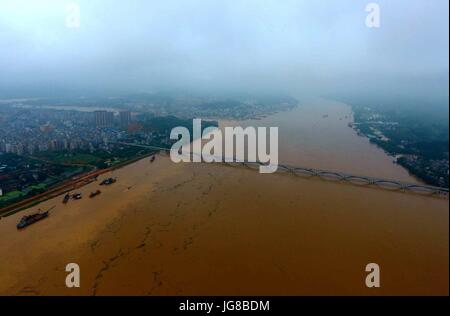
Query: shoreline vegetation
{"points": [[418, 144]]}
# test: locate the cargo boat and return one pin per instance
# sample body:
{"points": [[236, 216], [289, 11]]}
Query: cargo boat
{"points": [[27, 220]]}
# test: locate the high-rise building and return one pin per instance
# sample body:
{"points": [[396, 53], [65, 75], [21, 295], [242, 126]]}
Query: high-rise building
{"points": [[104, 118], [8, 148], [31, 149], [125, 118], [20, 149]]}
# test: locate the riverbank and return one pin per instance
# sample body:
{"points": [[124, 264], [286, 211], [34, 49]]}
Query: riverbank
{"points": [[63, 187]]}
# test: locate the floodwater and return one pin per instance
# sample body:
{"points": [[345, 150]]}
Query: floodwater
{"points": [[210, 229], [316, 135]]}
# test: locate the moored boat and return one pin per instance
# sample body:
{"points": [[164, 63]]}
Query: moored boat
{"points": [[108, 181], [94, 194], [66, 198], [27, 220]]}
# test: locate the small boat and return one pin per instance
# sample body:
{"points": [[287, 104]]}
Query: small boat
{"points": [[108, 181], [66, 198], [77, 196], [94, 194]]}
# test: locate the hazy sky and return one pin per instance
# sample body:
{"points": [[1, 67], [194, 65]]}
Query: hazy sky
{"points": [[299, 46]]}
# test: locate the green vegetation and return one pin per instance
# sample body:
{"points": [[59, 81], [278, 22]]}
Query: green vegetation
{"points": [[11, 196], [74, 158], [16, 196], [420, 141], [24, 177], [100, 158]]}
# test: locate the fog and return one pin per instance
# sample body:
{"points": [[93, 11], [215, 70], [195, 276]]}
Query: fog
{"points": [[298, 47]]}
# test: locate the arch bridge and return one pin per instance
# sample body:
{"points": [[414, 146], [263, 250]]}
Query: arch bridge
{"points": [[360, 180]]}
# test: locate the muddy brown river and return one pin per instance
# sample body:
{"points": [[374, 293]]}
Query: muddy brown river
{"points": [[210, 229]]}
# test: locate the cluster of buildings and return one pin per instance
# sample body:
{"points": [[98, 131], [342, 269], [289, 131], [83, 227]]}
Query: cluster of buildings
{"points": [[433, 171], [31, 130], [107, 119]]}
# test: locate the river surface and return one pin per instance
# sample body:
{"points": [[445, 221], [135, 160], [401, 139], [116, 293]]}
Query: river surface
{"points": [[209, 229], [316, 134]]}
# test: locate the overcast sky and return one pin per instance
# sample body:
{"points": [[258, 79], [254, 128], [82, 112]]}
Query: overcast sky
{"points": [[298, 46]]}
